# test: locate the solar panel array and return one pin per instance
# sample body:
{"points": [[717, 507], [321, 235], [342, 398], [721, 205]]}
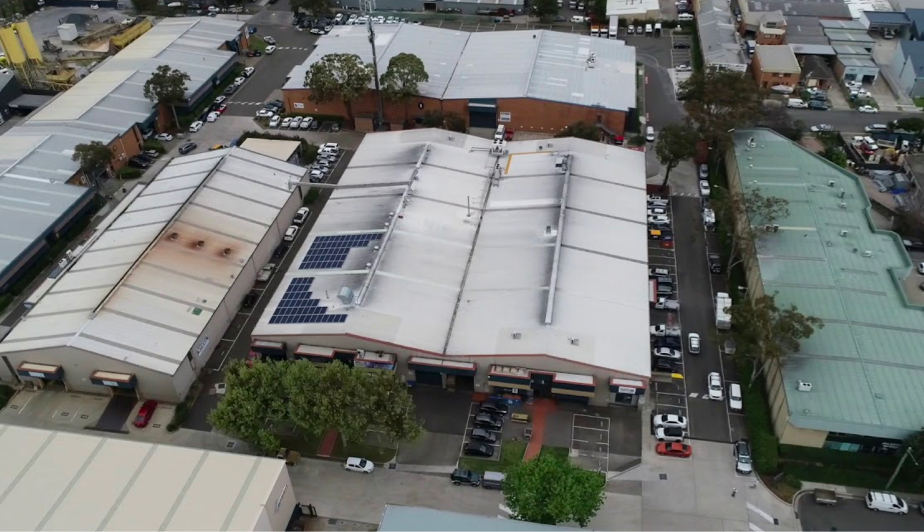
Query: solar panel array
{"points": [[297, 306], [331, 251]]}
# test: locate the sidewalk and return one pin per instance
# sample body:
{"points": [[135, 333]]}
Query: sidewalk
{"points": [[849, 492]]}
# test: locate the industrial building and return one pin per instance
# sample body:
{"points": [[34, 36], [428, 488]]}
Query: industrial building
{"points": [[64, 481], [141, 306], [858, 383], [413, 519], [719, 40], [465, 7], [41, 191], [542, 81], [476, 265]]}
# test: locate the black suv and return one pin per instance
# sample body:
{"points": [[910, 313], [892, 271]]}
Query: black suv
{"points": [[280, 251], [478, 449], [671, 342], [464, 476], [715, 263], [487, 421], [139, 161], [662, 364], [250, 299], [494, 407], [484, 435]]}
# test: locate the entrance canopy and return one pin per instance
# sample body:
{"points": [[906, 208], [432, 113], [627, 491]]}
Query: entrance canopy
{"points": [[449, 367], [114, 380], [40, 371]]}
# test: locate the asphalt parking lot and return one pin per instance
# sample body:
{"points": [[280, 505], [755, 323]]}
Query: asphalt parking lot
{"points": [[590, 442], [852, 514], [499, 434]]}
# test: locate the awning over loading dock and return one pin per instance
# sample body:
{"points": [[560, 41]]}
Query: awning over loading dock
{"points": [[40, 371], [510, 377], [449, 367], [571, 384], [627, 386], [114, 380]]}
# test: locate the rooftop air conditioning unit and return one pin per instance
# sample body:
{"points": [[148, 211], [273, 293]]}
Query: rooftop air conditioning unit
{"points": [[516, 336], [831, 183], [842, 205], [776, 228], [805, 386], [867, 254], [843, 232], [346, 295]]}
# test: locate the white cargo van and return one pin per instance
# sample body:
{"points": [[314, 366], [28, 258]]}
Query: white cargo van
{"points": [[796, 103], [577, 19], [734, 397], [886, 502], [685, 17]]}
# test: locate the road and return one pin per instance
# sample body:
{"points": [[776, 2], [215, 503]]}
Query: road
{"points": [[843, 120], [852, 514]]}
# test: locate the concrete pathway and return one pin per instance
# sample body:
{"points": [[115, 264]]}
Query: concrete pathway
{"points": [[539, 410]]}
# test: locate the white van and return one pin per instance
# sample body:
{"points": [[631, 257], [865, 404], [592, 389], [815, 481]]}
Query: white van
{"points": [[577, 19], [886, 502], [734, 397], [648, 29], [685, 17], [796, 103], [649, 134]]}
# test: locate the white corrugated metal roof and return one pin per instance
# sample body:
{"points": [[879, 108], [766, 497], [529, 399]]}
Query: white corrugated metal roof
{"points": [[161, 296], [631, 8], [65, 481], [501, 279], [537, 64]]}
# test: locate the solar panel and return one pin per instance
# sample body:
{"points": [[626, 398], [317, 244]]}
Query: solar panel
{"points": [[297, 306], [331, 251]]}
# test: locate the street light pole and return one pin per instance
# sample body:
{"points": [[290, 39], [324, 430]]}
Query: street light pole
{"points": [[898, 468], [380, 113]]}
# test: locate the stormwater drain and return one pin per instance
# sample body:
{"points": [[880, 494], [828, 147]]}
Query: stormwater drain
{"points": [[662, 476], [392, 466], [230, 445]]}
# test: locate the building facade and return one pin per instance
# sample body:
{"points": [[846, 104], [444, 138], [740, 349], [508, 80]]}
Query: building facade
{"points": [[775, 66]]}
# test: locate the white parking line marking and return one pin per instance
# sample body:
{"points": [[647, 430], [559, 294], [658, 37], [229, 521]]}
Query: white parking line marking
{"points": [[760, 512], [754, 527], [592, 428], [694, 395]]}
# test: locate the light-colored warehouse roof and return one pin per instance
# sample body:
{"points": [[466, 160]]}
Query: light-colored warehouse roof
{"points": [[412, 519], [537, 64], [777, 58], [140, 295], [631, 8], [64, 481], [36, 160], [277, 149], [718, 35], [865, 365], [459, 280]]}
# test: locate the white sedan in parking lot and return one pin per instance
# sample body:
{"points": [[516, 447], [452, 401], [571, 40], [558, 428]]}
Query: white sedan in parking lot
{"points": [[656, 211], [359, 465], [670, 420], [666, 352], [716, 392], [867, 109], [164, 137], [664, 330], [704, 188], [659, 219], [265, 113]]}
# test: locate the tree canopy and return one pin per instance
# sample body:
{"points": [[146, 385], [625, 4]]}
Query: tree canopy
{"points": [[449, 121], [910, 123], [549, 491], [167, 86], [718, 101], [581, 130], [312, 7], [92, 156], [764, 332], [315, 399], [746, 214], [341, 77], [676, 143], [546, 10], [401, 81]]}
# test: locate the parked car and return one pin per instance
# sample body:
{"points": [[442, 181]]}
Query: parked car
{"points": [[664, 352], [151, 154], [822, 128], [913, 244], [715, 386], [139, 162], [301, 215], [265, 113], [250, 299], [248, 72], [704, 171], [296, 120], [220, 100], [305, 124], [665, 365], [704, 188], [274, 122], [670, 420], [715, 263], [359, 465], [496, 408], [681, 45], [886, 502], [229, 90], [664, 330], [649, 134], [290, 234], [164, 137], [489, 421], [464, 476], [145, 413], [657, 211], [269, 40], [876, 128], [693, 340], [659, 219], [285, 122], [280, 251], [867, 109], [671, 342], [266, 272], [734, 397], [270, 49], [478, 449], [742, 452], [680, 450], [658, 272], [186, 148], [817, 106], [329, 147], [213, 116], [195, 126], [483, 435], [670, 434]]}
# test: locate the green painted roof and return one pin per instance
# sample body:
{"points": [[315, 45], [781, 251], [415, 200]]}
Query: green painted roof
{"points": [[867, 365]]}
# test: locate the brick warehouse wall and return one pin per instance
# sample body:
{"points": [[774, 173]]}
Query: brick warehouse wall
{"points": [[526, 114]]}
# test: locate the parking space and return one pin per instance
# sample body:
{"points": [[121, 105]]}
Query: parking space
{"points": [[590, 442], [471, 427]]}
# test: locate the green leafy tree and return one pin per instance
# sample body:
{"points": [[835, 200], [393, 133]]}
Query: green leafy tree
{"points": [[581, 130], [92, 157], [911, 123], [746, 215], [454, 122], [598, 10], [312, 7], [916, 443], [718, 101], [167, 86], [676, 143], [253, 398], [401, 81], [549, 491], [341, 77], [835, 155], [546, 10], [766, 333], [433, 118]]}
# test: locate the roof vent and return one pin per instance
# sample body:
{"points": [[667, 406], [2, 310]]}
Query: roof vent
{"points": [[575, 341], [174, 236], [805, 386], [867, 254], [375, 248], [752, 143], [346, 295], [200, 243], [551, 231], [516, 336], [831, 183], [842, 205], [226, 252], [842, 193], [843, 232]]}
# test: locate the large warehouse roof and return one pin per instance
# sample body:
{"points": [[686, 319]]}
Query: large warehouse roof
{"points": [[64, 481], [865, 365], [35, 160], [467, 264], [144, 290], [539, 64]]}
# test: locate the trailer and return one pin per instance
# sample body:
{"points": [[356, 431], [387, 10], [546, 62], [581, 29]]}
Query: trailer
{"points": [[652, 291], [614, 27], [667, 304], [723, 302]]}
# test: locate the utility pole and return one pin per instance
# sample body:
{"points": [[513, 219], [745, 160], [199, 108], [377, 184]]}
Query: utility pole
{"points": [[899, 466], [380, 113]]}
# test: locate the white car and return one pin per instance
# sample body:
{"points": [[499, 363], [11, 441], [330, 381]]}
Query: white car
{"points": [[266, 272], [290, 233], [657, 201], [649, 134], [693, 339], [921, 268], [658, 272], [666, 352], [359, 465], [820, 128], [670, 434], [328, 146], [670, 420], [656, 211], [664, 330], [734, 397], [239, 80], [195, 126], [338, 17], [704, 189], [269, 50], [875, 127], [274, 122], [213, 116], [659, 219], [683, 68], [867, 109], [285, 122], [213, 9], [265, 113], [296, 120], [716, 390], [248, 72], [269, 40], [301, 215], [164, 137]]}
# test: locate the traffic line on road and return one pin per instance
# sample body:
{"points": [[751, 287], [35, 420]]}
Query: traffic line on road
{"points": [[754, 527], [760, 512]]}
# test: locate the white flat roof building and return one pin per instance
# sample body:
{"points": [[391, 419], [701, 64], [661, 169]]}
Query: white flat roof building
{"points": [[154, 289], [64, 481], [505, 259]]}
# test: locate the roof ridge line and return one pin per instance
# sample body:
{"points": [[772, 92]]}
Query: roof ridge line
{"points": [[532, 66], [454, 68]]}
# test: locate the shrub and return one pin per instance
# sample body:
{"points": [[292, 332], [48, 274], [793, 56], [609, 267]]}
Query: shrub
{"points": [[129, 173], [792, 481], [312, 196], [156, 145], [179, 416]]}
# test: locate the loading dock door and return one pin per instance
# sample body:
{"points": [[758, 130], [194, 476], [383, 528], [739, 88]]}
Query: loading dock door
{"points": [[430, 378], [482, 113]]}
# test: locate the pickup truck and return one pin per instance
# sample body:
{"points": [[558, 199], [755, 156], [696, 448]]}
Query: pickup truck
{"points": [[266, 273], [667, 304]]}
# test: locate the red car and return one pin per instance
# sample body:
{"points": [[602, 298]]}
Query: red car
{"points": [[680, 450], [221, 108], [145, 414]]}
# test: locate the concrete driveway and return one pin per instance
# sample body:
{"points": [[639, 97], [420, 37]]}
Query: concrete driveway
{"points": [[852, 514]]}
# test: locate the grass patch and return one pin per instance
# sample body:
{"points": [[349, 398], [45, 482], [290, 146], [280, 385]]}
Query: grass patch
{"points": [[511, 453], [860, 478], [919, 102], [784, 490], [561, 453], [830, 457], [256, 43], [306, 444], [378, 455], [5, 301]]}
